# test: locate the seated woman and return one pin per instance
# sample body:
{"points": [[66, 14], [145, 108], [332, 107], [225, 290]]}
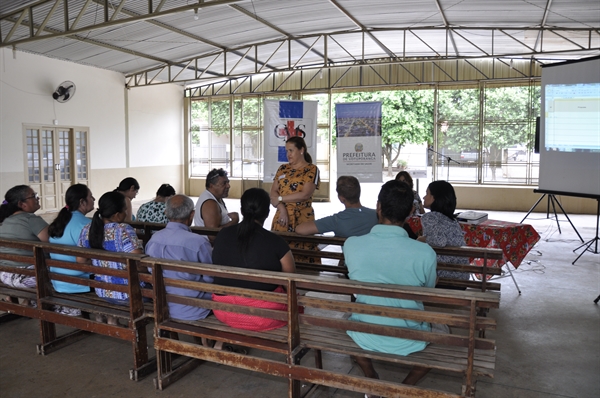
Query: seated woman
{"points": [[129, 187], [440, 228], [405, 177], [18, 221], [154, 211], [65, 230], [249, 245], [107, 231]]}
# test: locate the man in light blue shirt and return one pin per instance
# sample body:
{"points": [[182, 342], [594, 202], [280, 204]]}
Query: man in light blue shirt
{"points": [[388, 255], [355, 220], [177, 242]]}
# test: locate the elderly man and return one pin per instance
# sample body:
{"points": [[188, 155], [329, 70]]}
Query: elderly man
{"points": [[210, 208], [355, 220], [177, 242], [388, 255]]}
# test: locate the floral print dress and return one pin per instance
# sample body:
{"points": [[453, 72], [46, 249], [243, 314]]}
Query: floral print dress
{"points": [[118, 237], [291, 181], [441, 231], [153, 212]]}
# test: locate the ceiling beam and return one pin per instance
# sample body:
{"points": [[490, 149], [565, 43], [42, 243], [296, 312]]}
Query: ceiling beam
{"points": [[446, 24], [162, 61], [106, 23], [538, 40], [362, 28], [275, 28], [351, 60]]}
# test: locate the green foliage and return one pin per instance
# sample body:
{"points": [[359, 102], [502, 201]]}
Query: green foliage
{"points": [[246, 113], [508, 116], [199, 116]]}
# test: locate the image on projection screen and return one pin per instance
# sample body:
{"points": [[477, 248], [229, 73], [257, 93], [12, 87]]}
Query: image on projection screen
{"points": [[570, 128], [572, 113]]}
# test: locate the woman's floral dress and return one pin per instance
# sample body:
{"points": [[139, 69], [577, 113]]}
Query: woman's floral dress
{"points": [[291, 181]]}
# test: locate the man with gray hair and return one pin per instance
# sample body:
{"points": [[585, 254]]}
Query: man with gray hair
{"points": [[177, 242]]}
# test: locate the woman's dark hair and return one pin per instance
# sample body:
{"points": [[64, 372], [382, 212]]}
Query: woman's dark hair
{"points": [[165, 190], [300, 144], [110, 203], [255, 207], [73, 198], [126, 183], [444, 198], [12, 198], [395, 201], [407, 178]]}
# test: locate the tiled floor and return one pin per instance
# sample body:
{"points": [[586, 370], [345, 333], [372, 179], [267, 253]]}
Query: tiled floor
{"points": [[548, 340]]}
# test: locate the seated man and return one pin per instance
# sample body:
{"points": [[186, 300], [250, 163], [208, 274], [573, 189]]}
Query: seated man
{"points": [[210, 208], [355, 220], [388, 255], [177, 242]]}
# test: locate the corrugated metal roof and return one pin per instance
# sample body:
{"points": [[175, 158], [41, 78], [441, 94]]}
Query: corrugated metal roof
{"points": [[135, 39]]}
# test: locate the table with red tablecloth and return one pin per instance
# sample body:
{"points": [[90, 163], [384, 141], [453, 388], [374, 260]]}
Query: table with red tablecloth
{"points": [[515, 240]]}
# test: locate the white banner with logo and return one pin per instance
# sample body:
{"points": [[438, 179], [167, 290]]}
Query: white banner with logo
{"points": [[285, 119], [359, 140]]}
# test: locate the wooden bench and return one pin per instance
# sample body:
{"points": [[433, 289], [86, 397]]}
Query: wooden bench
{"points": [[322, 327], [135, 317], [336, 264]]}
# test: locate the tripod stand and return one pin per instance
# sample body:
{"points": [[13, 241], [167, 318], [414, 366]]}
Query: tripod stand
{"points": [[552, 200], [591, 242], [448, 160]]}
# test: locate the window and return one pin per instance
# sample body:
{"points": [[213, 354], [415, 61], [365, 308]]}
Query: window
{"points": [[483, 133]]}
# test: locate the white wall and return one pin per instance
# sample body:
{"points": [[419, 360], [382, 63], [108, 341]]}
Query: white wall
{"points": [[156, 125], [156, 144], [147, 120]]}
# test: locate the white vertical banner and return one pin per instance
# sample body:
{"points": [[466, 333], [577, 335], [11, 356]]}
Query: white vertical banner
{"points": [[285, 119], [358, 131]]}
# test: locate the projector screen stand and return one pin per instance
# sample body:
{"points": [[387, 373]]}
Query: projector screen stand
{"points": [[593, 241], [552, 200]]}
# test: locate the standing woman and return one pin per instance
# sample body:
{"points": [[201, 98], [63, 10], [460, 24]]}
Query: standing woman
{"points": [[66, 229], [440, 228], [17, 221], [292, 191], [129, 187], [107, 231], [154, 211]]}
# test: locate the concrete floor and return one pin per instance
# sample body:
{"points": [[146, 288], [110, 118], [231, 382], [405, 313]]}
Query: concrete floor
{"points": [[548, 340]]}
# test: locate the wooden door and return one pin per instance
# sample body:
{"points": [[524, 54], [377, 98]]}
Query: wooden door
{"points": [[57, 157]]}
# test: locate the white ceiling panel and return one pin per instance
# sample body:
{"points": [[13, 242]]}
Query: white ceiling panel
{"points": [[138, 39]]}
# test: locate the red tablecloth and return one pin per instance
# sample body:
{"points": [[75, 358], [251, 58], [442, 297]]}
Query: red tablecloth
{"points": [[515, 240]]}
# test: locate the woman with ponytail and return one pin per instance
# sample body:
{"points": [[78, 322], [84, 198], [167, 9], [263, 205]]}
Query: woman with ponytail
{"points": [[249, 245], [107, 231], [18, 221], [292, 192], [65, 230]]}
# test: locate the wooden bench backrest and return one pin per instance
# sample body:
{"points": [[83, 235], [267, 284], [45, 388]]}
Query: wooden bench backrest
{"points": [[41, 260], [333, 258], [293, 282]]}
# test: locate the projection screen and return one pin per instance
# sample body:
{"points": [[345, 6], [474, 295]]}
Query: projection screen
{"points": [[570, 127]]}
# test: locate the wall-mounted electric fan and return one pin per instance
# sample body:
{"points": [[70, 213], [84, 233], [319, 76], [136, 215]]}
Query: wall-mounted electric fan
{"points": [[64, 92]]}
